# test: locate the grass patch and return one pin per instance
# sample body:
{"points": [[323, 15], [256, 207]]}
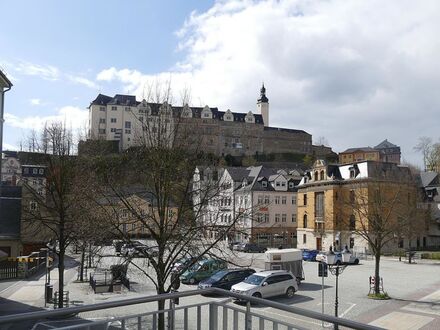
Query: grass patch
{"points": [[380, 296], [431, 255]]}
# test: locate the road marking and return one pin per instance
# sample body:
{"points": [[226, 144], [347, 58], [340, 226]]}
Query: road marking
{"points": [[402, 321], [9, 287], [291, 317], [347, 310]]}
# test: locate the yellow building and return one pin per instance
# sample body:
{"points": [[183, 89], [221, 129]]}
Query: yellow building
{"points": [[335, 202], [358, 154]]}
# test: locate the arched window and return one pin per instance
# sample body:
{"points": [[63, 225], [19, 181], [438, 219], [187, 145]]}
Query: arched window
{"points": [[305, 221], [322, 175], [316, 176]]}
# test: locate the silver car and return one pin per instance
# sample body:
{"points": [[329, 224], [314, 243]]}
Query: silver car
{"points": [[268, 284]]}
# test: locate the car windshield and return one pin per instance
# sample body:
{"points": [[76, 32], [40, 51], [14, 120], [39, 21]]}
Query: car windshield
{"points": [[254, 279], [197, 266], [219, 275]]}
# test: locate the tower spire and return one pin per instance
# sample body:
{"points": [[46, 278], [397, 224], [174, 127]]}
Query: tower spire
{"points": [[263, 98]]}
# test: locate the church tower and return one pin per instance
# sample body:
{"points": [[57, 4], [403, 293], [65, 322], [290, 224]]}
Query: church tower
{"points": [[263, 106]]}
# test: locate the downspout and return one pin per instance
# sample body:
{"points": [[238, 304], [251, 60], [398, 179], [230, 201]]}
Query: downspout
{"points": [[1, 128]]}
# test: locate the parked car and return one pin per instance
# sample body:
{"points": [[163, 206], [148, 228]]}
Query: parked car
{"points": [[239, 246], [225, 279], [233, 245], [202, 269], [309, 255], [268, 283], [118, 245], [322, 256], [250, 247], [184, 263], [139, 249]]}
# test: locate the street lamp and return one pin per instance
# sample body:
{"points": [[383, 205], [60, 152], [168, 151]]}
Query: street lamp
{"points": [[336, 268]]}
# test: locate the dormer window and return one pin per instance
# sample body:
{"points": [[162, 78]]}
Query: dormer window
{"points": [[264, 184], [291, 185], [322, 175]]}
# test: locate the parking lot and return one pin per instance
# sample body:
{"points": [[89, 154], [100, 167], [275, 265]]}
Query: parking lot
{"points": [[405, 283]]}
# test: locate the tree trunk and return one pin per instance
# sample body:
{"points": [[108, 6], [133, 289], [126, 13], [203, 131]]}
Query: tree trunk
{"points": [[376, 273], [409, 253], [90, 255], [83, 257], [61, 277], [161, 317]]}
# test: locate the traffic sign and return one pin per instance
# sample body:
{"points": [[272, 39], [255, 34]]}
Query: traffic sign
{"points": [[322, 269]]}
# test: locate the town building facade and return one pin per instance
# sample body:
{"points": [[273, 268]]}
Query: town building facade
{"points": [[122, 118], [327, 199], [384, 152]]}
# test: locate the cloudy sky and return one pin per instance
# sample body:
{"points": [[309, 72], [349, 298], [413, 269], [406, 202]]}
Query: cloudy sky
{"points": [[355, 72]]}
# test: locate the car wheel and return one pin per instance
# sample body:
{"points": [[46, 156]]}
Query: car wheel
{"points": [[338, 262], [257, 295], [290, 292], [356, 262], [192, 280]]}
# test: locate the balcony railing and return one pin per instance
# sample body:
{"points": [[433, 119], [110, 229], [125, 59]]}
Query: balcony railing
{"points": [[211, 315]]}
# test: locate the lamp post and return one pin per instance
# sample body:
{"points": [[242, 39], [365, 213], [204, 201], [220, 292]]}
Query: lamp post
{"points": [[336, 268]]}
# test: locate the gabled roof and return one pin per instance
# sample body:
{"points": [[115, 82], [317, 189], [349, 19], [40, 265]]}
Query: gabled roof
{"points": [[385, 144], [363, 149], [4, 81], [429, 179]]}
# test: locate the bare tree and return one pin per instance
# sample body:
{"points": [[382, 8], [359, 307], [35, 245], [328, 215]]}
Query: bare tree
{"points": [[150, 190], [54, 202], [322, 141], [424, 146], [380, 211]]}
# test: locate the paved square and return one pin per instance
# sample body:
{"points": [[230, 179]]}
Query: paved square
{"points": [[402, 321]]}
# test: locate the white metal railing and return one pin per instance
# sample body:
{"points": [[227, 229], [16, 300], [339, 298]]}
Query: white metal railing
{"points": [[212, 315]]}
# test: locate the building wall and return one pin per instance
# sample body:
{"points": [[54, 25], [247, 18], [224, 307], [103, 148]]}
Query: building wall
{"points": [[346, 158]]}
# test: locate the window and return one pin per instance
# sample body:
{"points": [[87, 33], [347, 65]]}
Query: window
{"points": [[283, 184], [305, 221], [284, 200], [26, 170], [291, 185], [266, 199], [113, 130], [113, 120], [260, 199], [101, 131], [127, 108], [351, 196], [304, 238], [316, 176], [128, 131], [33, 206], [278, 184], [133, 227], [128, 124], [294, 218], [277, 217], [102, 120], [264, 184], [41, 171], [266, 217], [293, 200], [305, 199], [283, 217], [35, 171], [277, 199], [322, 175], [114, 108], [206, 115], [352, 222], [352, 243], [319, 204], [101, 108]]}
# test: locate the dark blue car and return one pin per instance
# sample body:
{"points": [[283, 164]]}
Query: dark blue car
{"points": [[309, 255]]}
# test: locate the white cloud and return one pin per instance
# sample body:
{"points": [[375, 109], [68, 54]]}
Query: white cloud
{"points": [[47, 72], [356, 72], [73, 117], [35, 101], [7, 146], [83, 81]]}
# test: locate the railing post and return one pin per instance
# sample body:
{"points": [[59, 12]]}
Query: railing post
{"points": [[171, 315], [248, 316], [213, 317]]}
